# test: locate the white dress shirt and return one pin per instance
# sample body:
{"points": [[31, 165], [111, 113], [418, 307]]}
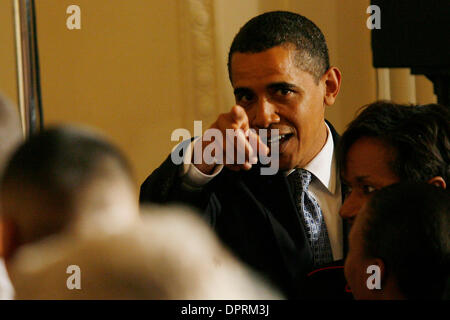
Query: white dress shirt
{"points": [[325, 187]]}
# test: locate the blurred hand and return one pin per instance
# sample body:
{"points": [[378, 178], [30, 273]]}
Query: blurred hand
{"points": [[236, 120]]}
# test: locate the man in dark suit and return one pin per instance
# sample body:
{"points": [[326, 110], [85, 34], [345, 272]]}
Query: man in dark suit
{"points": [[287, 224]]}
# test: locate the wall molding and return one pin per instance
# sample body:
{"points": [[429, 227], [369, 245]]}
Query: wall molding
{"points": [[198, 61]]}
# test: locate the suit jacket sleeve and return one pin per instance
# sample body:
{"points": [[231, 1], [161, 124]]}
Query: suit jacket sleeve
{"points": [[165, 186]]}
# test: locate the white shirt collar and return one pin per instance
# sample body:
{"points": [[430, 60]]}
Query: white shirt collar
{"points": [[323, 166]]}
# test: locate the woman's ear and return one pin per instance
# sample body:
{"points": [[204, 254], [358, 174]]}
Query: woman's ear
{"points": [[332, 80], [438, 181]]}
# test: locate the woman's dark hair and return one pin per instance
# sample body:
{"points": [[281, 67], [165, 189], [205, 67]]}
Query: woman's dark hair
{"points": [[419, 136]]}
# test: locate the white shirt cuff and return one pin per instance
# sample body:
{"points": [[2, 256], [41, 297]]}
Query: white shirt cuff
{"points": [[192, 178]]}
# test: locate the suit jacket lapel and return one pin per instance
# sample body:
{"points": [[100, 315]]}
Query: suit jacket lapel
{"points": [[274, 193], [345, 225]]}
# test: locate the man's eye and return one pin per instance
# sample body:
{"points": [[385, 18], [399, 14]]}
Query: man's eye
{"points": [[368, 189], [245, 98], [283, 91]]}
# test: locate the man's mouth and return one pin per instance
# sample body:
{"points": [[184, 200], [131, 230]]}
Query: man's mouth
{"points": [[279, 138]]}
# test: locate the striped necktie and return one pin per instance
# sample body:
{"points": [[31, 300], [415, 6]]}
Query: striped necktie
{"points": [[312, 217]]}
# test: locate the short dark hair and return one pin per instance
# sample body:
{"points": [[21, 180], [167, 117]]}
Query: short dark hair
{"points": [[408, 226], [276, 28], [419, 136], [55, 165]]}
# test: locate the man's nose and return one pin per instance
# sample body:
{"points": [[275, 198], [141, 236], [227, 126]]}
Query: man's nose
{"points": [[265, 114], [351, 206]]}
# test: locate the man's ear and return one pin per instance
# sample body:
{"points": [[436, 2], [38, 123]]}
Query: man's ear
{"points": [[332, 80], [438, 181]]}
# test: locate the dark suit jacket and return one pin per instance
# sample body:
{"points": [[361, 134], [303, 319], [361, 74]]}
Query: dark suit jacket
{"points": [[254, 215]]}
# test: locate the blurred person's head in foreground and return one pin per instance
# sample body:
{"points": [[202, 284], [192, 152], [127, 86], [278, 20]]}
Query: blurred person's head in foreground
{"points": [[64, 178], [168, 254], [388, 143], [404, 230]]}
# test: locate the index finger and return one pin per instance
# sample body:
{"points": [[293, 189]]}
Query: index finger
{"points": [[239, 116]]}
